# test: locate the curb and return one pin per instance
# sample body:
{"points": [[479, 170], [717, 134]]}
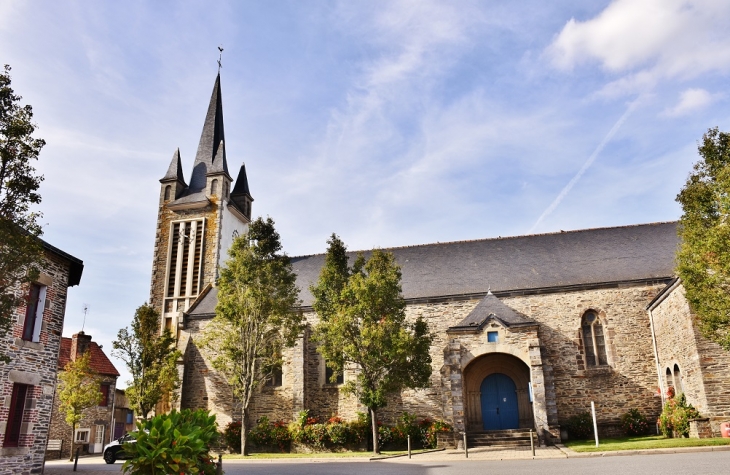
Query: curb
{"points": [[621, 453], [386, 457]]}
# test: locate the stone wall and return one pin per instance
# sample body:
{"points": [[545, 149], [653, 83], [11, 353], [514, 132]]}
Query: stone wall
{"points": [[704, 367], [33, 364]]}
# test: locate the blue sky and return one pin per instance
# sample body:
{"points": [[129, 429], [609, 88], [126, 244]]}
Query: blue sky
{"points": [[390, 123]]}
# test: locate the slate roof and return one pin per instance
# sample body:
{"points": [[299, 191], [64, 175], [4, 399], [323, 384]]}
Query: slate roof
{"points": [[174, 171], [491, 307], [205, 304], [574, 258], [98, 361], [76, 265]]}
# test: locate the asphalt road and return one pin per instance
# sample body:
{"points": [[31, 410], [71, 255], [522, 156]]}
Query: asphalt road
{"points": [[664, 464]]}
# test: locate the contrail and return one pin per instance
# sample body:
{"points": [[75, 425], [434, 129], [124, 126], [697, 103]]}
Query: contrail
{"points": [[585, 166]]}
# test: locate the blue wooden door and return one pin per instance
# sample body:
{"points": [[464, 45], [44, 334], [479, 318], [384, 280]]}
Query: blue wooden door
{"points": [[499, 402]]}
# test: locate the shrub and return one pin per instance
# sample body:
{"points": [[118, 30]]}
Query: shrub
{"points": [[431, 430], [634, 423], [675, 416], [267, 434], [177, 442], [580, 426], [232, 436]]}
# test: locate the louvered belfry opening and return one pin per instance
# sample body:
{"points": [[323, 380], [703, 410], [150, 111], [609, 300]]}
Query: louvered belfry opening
{"points": [[184, 266]]}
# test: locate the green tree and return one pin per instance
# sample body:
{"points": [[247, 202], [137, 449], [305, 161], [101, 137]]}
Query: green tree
{"points": [[20, 250], [255, 317], [363, 324], [703, 260], [151, 359], [79, 390]]}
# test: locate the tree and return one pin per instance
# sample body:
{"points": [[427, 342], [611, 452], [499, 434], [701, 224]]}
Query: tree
{"points": [[20, 250], [255, 317], [79, 390], [703, 260], [151, 359], [363, 324]]}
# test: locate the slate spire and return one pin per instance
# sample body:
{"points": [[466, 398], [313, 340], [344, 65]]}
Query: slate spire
{"points": [[174, 171], [211, 155], [241, 186]]}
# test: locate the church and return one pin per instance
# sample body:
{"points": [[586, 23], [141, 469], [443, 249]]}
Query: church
{"points": [[529, 330]]}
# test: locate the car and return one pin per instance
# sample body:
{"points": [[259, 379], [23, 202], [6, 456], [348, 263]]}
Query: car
{"points": [[113, 450]]}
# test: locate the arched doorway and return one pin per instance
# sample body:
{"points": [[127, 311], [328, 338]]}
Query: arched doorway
{"points": [[488, 380], [499, 402]]}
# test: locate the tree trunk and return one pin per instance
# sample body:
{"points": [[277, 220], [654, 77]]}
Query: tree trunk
{"points": [[73, 442], [244, 431], [374, 420]]}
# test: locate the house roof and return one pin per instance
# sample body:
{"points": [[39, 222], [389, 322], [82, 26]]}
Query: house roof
{"points": [[541, 261], [98, 361], [76, 265]]}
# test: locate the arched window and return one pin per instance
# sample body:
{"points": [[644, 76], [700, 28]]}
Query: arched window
{"points": [[678, 379], [214, 187], [593, 339], [168, 188], [225, 189], [670, 379]]}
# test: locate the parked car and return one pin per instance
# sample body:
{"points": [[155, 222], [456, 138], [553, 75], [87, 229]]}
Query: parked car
{"points": [[113, 451]]}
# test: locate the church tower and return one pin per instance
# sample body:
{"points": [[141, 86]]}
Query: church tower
{"points": [[196, 221]]}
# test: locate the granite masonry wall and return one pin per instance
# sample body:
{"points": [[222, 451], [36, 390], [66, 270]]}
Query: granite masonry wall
{"points": [[704, 367], [33, 363]]}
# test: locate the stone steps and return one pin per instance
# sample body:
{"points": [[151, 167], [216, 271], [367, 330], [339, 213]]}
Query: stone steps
{"points": [[501, 438]]}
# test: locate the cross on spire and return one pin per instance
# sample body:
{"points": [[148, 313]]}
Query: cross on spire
{"points": [[220, 57]]}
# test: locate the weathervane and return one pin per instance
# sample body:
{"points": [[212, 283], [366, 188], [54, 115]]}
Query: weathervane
{"points": [[220, 56]]}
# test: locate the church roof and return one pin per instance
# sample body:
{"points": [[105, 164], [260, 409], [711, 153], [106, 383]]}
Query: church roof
{"points": [[524, 263], [491, 307], [174, 171], [211, 155]]}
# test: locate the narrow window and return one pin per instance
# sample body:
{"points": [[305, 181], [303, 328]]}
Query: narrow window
{"points": [[594, 341], [492, 337], [276, 377], [670, 379], [329, 372], [214, 187], [34, 312], [104, 389], [168, 188], [678, 379], [15, 415]]}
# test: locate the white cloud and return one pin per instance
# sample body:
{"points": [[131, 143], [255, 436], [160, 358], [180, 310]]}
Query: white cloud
{"points": [[690, 101], [645, 41]]}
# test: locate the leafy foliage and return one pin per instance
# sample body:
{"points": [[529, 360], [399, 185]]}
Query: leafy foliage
{"points": [[150, 358], [363, 323], [20, 250], [633, 422], [703, 260], [79, 390], [177, 442], [580, 426], [270, 434], [255, 316], [675, 416], [232, 436]]}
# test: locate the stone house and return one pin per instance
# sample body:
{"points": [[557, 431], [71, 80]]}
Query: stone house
{"points": [[28, 382], [529, 330], [95, 429], [123, 421]]}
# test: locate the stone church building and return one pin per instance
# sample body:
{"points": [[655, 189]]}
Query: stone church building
{"points": [[528, 329]]}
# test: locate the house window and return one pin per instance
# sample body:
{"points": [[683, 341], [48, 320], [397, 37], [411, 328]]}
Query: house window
{"points": [[34, 312], [130, 417], [104, 389], [276, 377], [15, 415], [185, 265], [492, 337], [82, 436], [593, 339], [329, 372]]}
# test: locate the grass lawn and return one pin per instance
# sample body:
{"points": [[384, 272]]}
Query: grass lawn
{"points": [[319, 455], [638, 443]]}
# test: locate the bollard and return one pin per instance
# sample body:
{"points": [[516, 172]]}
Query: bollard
{"points": [[76, 459], [219, 465], [466, 450], [409, 446], [532, 444]]}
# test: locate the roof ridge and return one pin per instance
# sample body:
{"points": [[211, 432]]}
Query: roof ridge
{"points": [[572, 231]]}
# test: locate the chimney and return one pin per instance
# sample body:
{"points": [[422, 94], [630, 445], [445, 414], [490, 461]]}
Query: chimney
{"points": [[79, 343]]}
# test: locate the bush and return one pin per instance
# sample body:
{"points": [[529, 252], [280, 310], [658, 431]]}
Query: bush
{"points": [[432, 428], [634, 423], [232, 436], [267, 434], [674, 419], [580, 426], [177, 442]]}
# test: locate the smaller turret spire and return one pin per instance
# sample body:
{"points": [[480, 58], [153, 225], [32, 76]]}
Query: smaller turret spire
{"points": [[174, 171]]}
